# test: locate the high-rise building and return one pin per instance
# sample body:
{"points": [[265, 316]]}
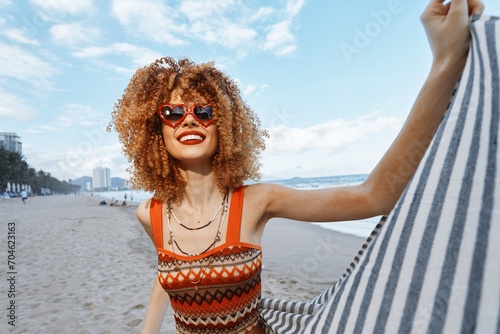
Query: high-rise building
{"points": [[101, 178], [11, 142]]}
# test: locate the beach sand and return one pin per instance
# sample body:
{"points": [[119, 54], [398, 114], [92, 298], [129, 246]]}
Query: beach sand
{"points": [[84, 268]]}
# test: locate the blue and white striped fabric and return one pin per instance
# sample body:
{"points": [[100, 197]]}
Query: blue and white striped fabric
{"points": [[434, 267], [283, 316]]}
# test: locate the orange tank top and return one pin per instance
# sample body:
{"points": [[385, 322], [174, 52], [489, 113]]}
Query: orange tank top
{"points": [[217, 291]]}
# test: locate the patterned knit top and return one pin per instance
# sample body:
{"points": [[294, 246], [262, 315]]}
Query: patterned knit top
{"points": [[226, 298]]}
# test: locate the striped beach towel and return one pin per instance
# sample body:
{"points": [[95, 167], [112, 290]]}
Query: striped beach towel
{"points": [[434, 267]]}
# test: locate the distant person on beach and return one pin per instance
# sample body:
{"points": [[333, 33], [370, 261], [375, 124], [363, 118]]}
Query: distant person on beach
{"points": [[193, 142], [113, 202], [24, 196]]}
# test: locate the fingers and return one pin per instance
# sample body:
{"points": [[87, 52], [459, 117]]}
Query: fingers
{"points": [[470, 7], [459, 7], [447, 26], [435, 7], [476, 7], [433, 4]]}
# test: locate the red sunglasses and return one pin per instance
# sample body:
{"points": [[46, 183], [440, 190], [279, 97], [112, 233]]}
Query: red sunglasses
{"points": [[173, 115]]}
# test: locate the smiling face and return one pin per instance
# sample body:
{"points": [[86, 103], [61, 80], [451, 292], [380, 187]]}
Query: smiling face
{"points": [[190, 142], [233, 143]]}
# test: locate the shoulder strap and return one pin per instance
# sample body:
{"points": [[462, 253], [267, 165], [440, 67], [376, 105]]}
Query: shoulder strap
{"points": [[234, 220], [155, 214]]}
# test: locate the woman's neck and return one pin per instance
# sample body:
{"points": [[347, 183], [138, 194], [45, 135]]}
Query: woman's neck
{"points": [[201, 188]]}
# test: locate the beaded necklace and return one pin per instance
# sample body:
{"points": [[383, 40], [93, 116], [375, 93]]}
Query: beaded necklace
{"points": [[172, 241], [170, 209]]}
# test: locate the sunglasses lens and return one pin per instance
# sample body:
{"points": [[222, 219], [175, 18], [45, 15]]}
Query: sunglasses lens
{"points": [[203, 113], [172, 115]]}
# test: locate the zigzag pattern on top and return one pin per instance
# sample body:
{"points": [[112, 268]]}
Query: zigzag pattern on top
{"points": [[225, 320], [206, 296], [215, 292], [211, 269]]}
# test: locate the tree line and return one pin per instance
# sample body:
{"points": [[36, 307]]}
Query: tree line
{"points": [[15, 170]]}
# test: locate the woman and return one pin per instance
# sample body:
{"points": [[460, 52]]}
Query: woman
{"points": [[193, 142]]}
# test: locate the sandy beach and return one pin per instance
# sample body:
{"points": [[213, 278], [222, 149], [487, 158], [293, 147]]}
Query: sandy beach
{"points": [[78, 267]]}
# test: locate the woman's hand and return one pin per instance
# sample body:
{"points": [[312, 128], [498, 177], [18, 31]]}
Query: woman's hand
{"points": [[447, 28]]}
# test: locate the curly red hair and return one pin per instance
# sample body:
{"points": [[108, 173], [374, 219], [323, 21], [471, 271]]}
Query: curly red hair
{"points": [[140, 128]]}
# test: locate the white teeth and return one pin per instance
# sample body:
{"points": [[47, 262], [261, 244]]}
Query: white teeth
{"points": [[191, 137]]}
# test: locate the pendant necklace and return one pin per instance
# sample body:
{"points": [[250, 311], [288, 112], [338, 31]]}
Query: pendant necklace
{"points": [[170, 209], [217, 238]]}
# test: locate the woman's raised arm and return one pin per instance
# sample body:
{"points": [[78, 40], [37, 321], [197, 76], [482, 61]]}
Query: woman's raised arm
{"points": [[447, 28]]}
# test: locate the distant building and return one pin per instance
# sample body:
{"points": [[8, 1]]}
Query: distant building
{"points": [[101, 178], [11, 142]]}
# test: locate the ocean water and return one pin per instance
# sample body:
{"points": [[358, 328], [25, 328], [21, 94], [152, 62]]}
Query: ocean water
{"points": [[361, 228]]}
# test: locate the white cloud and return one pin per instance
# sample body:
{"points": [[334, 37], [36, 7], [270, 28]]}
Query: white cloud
{"points": [[85, 118], [223, 32], [19, 36], [65, 6], [200, 10], [14, 107], [93, 52], [19, 64], [332, 136], [254, 89], [262, 13], [225, 25], [140, 56], [150, 19], [72, 34], [76, 114], [293, 7], [128, 71], [339, 147], [249, 89], [68, 162], [80, 159], [234, 25], [76, 151], [280, 39], [44, 128], [5, 3]]}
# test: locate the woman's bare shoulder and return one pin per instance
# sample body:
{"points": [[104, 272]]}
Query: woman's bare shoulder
{"points": [[265, 189], [143, 216], [142, 212], [263, 194]]}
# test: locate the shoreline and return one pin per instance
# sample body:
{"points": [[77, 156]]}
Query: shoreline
{"points": [[85, 268]]}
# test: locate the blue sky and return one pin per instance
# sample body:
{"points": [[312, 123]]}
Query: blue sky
{"points": [[332, 81]]}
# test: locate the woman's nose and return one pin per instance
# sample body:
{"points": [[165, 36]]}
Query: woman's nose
{"points": [[189, 120]]}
